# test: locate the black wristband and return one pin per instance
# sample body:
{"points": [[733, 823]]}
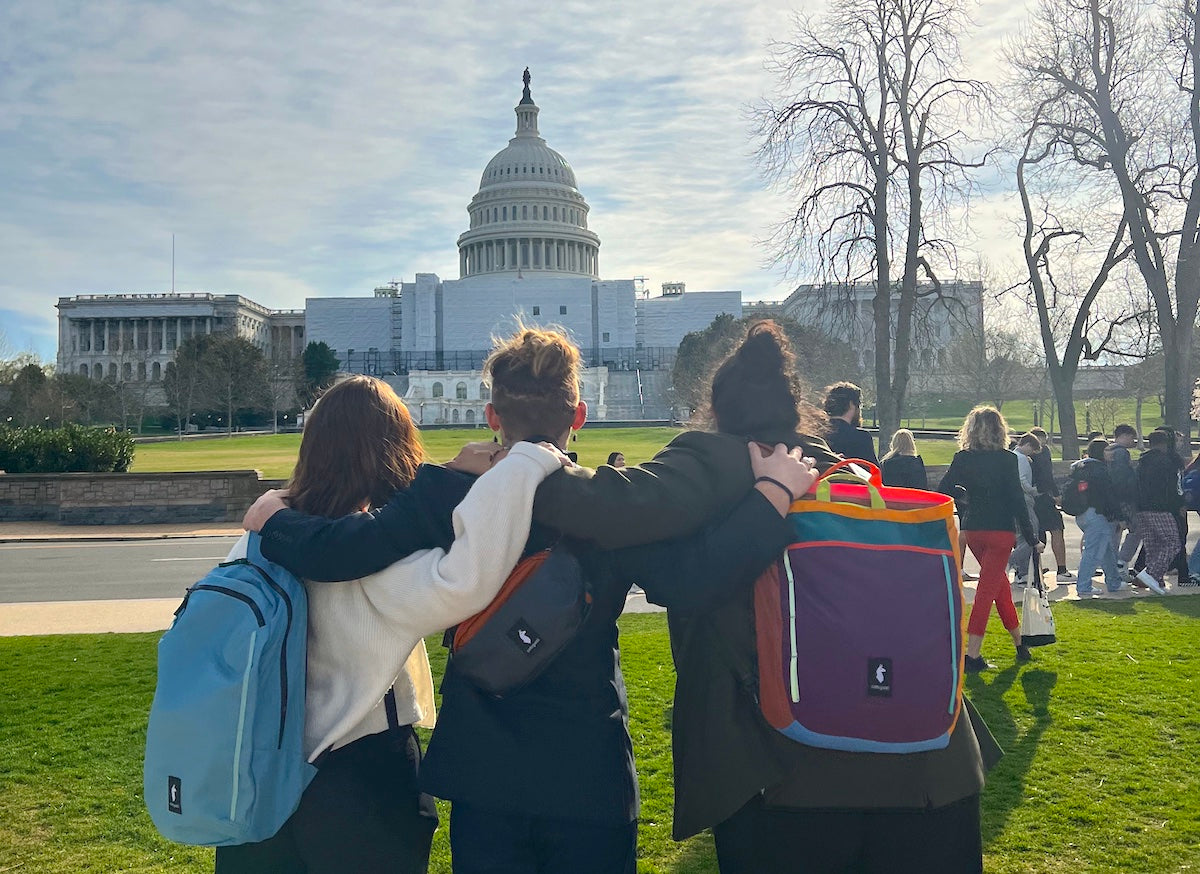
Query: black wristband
{"points": [[775, 482]]}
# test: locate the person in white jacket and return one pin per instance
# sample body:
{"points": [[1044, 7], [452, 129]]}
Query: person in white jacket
{"points": [[366, 653]]}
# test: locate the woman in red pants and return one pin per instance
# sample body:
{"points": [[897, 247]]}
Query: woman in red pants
{"points": [[986, 471]]}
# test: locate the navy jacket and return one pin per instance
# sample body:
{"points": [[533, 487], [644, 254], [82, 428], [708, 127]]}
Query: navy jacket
{"points": [[851, 442], [907, 471]]}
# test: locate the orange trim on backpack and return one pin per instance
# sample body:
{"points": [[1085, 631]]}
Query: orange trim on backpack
{"points": [[768, 619], [468, 628]]}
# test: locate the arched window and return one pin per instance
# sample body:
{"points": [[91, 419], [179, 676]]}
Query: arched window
{"points": [[504, 213], [555, 213], [127, 371], [97, 372], [437, 390], [485, 393], [156, 371], [141, 371], [545, 213], [454, 415], [83, 370], [112, 372], [470, 417], [460, 391], [524, 212]]}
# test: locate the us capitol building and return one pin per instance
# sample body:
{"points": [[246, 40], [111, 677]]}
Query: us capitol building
{"points": [[527, 255]]}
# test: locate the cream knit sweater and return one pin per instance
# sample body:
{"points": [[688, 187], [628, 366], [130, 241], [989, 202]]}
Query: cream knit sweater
{"points": [[366, 635]]}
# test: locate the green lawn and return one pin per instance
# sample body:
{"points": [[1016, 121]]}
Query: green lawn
{"points": [[275, 455], [1102, 733]]}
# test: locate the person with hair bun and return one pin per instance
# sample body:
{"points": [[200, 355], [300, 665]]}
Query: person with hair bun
{"points": [[774, 804], [983, 475]]}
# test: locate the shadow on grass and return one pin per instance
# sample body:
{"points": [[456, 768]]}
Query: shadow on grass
{"points": [[1006, 781], [1185, 605], [699, 856]]}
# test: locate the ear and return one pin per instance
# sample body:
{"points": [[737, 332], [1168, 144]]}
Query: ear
{"points": [[493, 420], [580, 416]]}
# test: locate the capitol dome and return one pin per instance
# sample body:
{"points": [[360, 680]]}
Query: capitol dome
{"points": [[528, 214]]}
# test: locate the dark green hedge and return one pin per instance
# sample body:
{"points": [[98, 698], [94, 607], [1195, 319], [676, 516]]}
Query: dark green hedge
{"points": [[70, 449]]}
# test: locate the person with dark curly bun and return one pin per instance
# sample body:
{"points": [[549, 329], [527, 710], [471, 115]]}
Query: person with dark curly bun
{"points": [[983, 475], [774, 804]]}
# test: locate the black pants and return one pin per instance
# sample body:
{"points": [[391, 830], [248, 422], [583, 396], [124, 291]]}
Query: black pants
{"points": [[361, 813], [487, 842], [766, 840]]}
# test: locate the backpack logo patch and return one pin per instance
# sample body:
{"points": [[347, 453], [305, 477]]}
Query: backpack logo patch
{"points": [[879, 677], [174, 795], [523, 635]]}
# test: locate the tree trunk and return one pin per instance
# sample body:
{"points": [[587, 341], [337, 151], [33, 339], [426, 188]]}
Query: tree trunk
{"points": [[1137, 419]]}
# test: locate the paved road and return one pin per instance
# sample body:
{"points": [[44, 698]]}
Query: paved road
{"points": [[104, 571]]}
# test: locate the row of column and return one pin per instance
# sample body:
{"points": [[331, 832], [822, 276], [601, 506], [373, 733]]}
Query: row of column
{"points": [[85, 334], [528, 253]]}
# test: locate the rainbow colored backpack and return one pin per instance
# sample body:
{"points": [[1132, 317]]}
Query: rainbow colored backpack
{"points": [[860, 624]]}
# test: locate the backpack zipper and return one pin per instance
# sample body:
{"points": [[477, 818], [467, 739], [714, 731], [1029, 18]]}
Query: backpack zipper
{"points": [[287, 602], [246, 599]]}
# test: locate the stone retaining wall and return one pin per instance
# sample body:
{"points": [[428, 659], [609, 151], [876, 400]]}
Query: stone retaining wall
{"points": [[130, 498], [146, 498]]}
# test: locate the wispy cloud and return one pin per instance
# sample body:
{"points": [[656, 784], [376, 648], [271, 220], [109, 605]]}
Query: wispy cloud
{"points": [[319, 148]]}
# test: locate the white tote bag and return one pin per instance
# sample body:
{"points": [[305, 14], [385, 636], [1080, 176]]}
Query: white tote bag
{"points": [[1037, 623]]}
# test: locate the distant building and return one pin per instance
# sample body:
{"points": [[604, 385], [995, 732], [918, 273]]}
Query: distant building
{"points": [[846, 312], [127, 337]]}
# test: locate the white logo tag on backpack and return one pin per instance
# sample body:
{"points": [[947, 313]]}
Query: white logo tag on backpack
{"points": [[524, 636], [879, 677], [174, 795]]}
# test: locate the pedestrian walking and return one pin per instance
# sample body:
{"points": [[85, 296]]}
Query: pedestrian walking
{"points": [[1159, 501], [986, 472], [843, 405], [1021, 559], [1050, 520], [902, 466], [1096, 522]]}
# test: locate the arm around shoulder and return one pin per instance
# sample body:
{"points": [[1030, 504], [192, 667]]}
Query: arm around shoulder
{"points": [[436, 589]]}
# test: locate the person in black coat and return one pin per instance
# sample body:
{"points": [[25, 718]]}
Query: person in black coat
{"points": [[843, 406], [1095, 522], [902, 466], [984, 476]]}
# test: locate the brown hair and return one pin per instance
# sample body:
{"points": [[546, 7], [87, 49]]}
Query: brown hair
{"points": [[984, 428], [1030, 439], [359, 447], [1096, 448], [534, 376], [756, 392], [840, 396]]}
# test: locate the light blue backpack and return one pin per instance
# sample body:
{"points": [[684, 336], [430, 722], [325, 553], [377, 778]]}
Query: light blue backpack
{"points": [[224, 747]]}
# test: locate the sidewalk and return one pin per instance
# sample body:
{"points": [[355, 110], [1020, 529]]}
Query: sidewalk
{"points": [[156, 614], [52, 532]]}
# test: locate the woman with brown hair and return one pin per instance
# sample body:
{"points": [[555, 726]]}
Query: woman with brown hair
{"points": [[985, 472], [368, 678]]}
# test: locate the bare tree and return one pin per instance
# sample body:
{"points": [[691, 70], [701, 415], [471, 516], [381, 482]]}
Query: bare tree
{"points": [[1115, 86], [866, 129]]}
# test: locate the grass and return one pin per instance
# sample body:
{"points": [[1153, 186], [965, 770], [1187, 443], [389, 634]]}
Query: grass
{"points": [[275, 454], [1102, 734]]}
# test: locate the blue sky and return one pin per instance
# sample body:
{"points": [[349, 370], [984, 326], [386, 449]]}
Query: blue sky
{"points": [[314, 148]]}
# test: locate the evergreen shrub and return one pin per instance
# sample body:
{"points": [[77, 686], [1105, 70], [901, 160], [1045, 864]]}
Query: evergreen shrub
{"points": [[70, 449]]}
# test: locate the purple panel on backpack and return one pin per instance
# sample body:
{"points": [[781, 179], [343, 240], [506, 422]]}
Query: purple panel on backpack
{"points": [[877, 645]]}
